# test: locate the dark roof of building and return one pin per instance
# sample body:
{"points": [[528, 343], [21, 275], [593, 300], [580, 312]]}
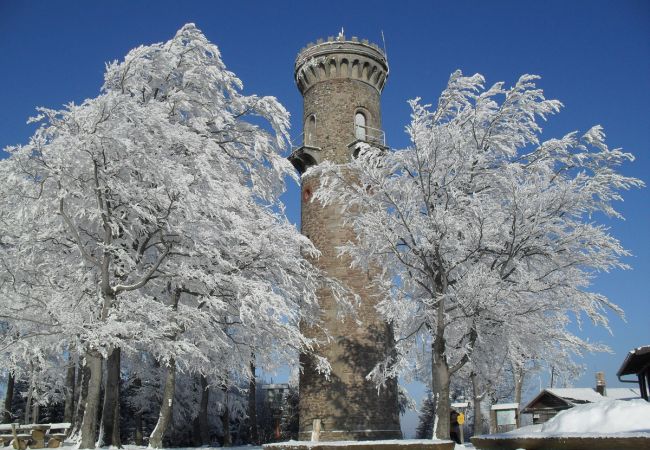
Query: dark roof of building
{"points": [[635, 361]]}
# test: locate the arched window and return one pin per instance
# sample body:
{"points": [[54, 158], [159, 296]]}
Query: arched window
{"points": [[360, 126], [310, 130]]}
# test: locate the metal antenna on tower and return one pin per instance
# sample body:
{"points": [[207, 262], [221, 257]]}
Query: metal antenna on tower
{"points": [[384, 41]]}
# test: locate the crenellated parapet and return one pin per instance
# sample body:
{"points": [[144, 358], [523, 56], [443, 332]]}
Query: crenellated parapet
{"points": [[341, 58]]}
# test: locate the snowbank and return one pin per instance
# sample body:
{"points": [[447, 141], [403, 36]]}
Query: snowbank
{"points": [[604, 417], [527, 429], [387, 442]]}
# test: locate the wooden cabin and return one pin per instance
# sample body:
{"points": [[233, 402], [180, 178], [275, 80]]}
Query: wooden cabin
{"points": [[637, 363], [551, 401]]}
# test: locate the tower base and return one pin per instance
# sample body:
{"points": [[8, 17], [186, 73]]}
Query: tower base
{"points": [[352, 435]]}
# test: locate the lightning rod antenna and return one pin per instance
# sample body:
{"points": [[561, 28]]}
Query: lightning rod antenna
{"points": [[384, 41]]}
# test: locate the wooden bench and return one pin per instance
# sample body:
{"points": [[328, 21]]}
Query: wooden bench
{"points": [[33, 435], [5, 436], [56, 434], [18, 438], [5, 439]]}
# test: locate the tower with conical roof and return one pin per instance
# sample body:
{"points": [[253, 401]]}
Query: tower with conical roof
{"points": [[341, 83]]}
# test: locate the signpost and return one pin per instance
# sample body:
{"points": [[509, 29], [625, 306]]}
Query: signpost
{"points": [[460, 408], [504, 417], [461, 421]]}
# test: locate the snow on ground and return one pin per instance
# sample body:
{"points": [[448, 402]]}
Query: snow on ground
{"points": [[527, 429], [604, 417], [71, 446], [355, 443], [466, 446]]}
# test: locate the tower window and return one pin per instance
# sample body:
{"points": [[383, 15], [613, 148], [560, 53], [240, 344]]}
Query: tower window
{"points": [[360, 126], [310, 130]]}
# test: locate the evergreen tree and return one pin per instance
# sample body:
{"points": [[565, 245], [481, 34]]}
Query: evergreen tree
{"points": [[424, 429]]}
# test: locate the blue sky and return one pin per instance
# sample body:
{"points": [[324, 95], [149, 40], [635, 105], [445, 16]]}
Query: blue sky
{"points": [[594, 56]]}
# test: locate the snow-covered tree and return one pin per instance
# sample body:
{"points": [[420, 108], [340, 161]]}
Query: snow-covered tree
{"points": [[148, 218], [481, 223], [508, 352]]}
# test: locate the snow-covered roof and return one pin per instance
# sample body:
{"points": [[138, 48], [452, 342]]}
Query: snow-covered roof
{"points": [[499, 406], [275, 386], [580, 395], [635, 361], [583, 395], [622, 393], [460, 405], [568, 397]]}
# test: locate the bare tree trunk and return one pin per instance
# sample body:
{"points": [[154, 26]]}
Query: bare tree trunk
{"points": [[78, 382], [139, 437], [36, 413], [158, 433], [440, 391], [518, 372], [165, 416], [70, 388], [111, 407], [225, 419], [440, 378], [117, 440], [552, 375], [89, 424], [137, 416], [83, 377], [252, 412], [9, 398], [30, 392], [204, 432], [225, 423], [476, 399]]}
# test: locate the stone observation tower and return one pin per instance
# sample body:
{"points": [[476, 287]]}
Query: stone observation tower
{"points": [[341, 82]]}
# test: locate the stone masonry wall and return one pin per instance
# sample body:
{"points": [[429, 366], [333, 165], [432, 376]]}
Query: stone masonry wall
{"points": [[349, 406]]}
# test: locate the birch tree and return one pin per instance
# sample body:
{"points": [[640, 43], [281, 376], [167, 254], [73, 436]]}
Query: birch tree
{"points": [[481, 221]]}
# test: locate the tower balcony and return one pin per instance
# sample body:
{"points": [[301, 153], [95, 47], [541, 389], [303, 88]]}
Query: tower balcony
{"points": [[304, 156], [373, 137]]}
